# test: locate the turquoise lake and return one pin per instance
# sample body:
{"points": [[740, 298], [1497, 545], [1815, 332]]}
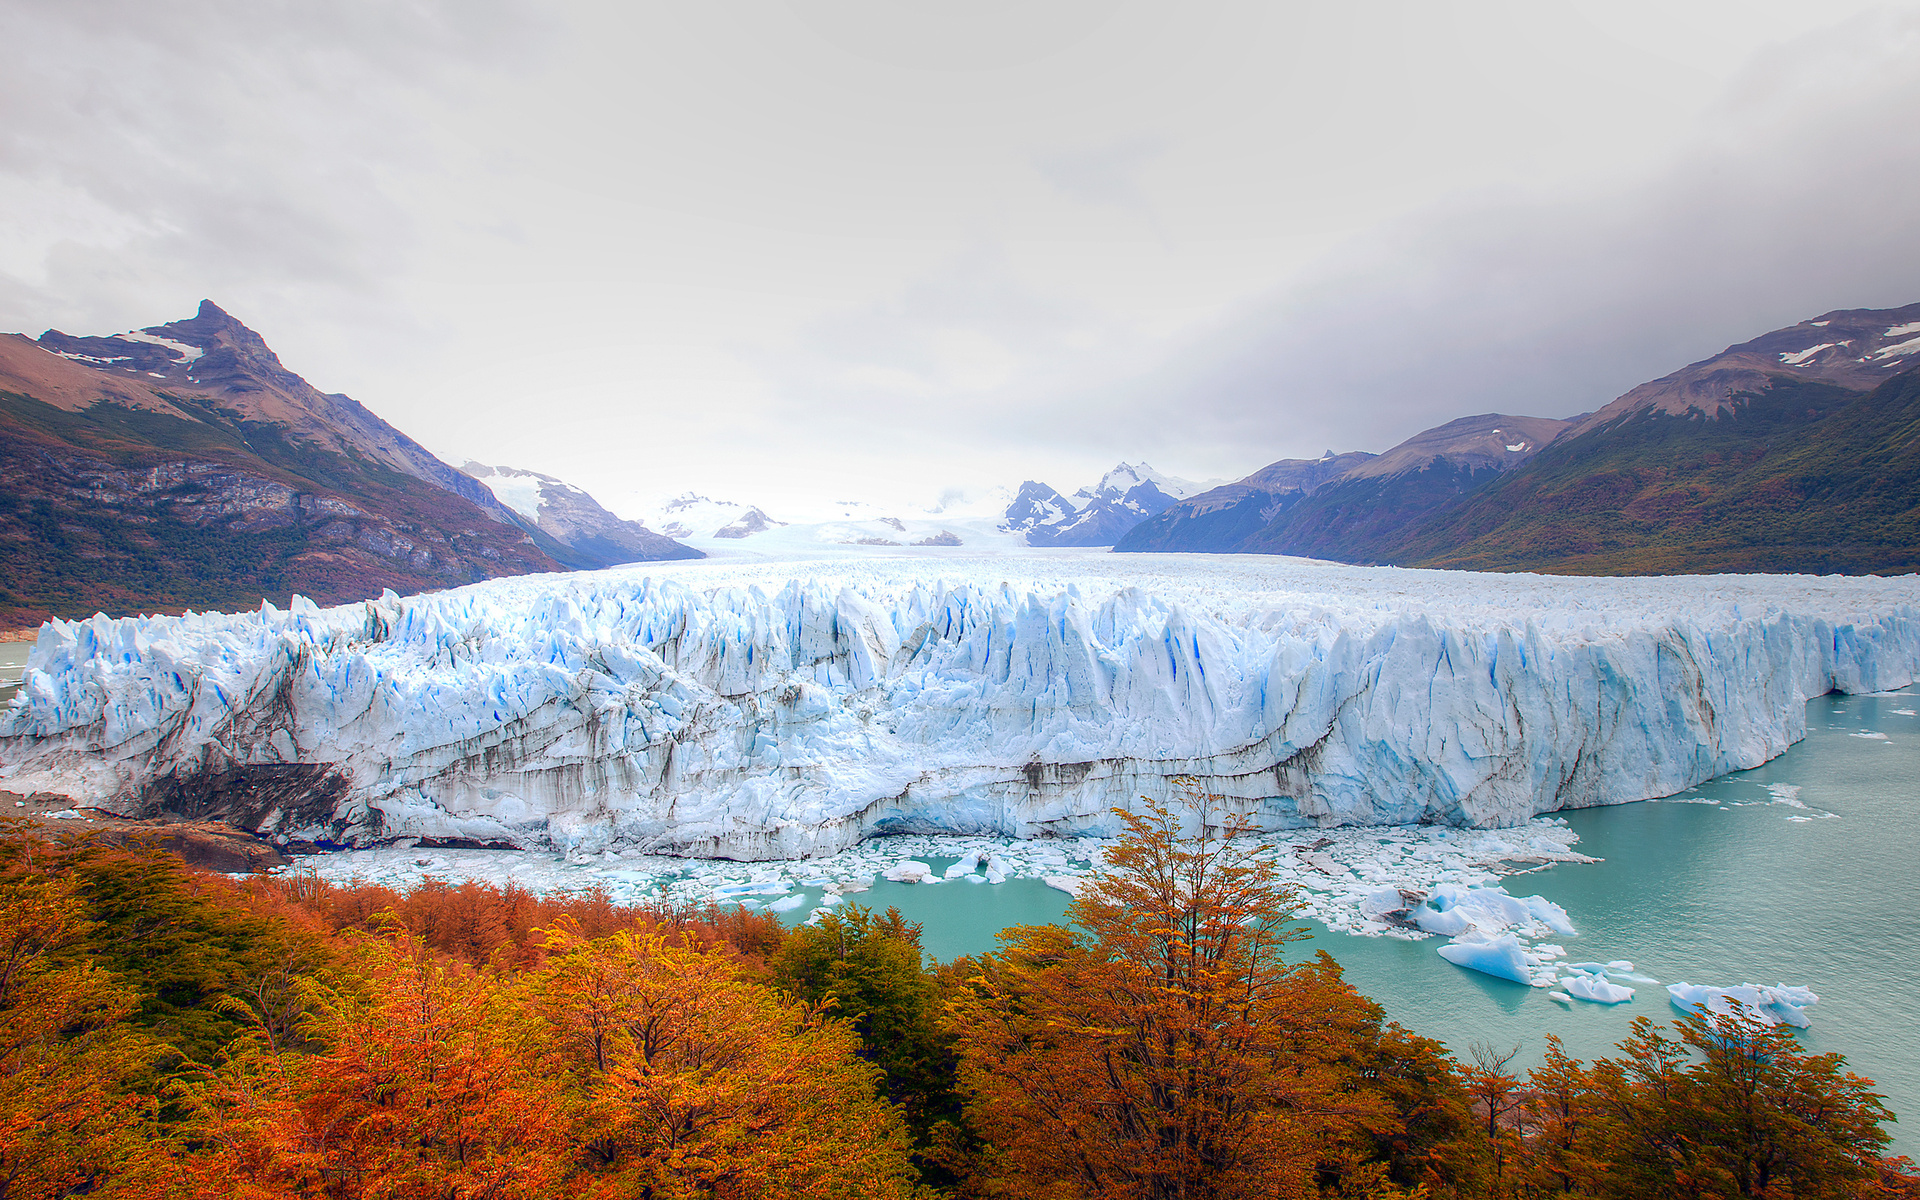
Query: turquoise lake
{"points": [[1719, 886], [13, 663]]}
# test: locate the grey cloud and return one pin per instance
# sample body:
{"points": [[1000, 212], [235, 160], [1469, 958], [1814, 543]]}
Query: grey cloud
{"points": [[246, 149]]}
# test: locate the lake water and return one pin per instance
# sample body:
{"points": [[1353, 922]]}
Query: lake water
{"points": [[13, 662], [1730, 883]]}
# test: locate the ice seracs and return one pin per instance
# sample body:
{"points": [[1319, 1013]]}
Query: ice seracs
{"points": [[766, 709]]}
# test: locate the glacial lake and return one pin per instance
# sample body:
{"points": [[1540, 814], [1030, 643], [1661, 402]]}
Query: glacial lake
{"points": [[1723, 885], [13, 663]]}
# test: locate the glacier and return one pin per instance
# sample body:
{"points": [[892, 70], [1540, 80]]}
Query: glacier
{"points": [[761, 708]]}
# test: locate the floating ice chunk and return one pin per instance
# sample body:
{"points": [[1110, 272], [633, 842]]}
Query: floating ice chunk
{"points": [[788, 904], [1500, 957], [910, 871], [1779, 1005], [1072, 885], [1550, 914], [963, 867], [1446, 924], [1597, 989], [1872, 737], [1619, 964], [1383, 901], [1561, 997]]}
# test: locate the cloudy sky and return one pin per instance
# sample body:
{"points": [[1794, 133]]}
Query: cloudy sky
{"points": [[786, 252]]}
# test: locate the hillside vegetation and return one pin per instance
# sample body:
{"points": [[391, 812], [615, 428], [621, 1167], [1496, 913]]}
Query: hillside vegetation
{"points": [[1800, 477], [171, 1034]]}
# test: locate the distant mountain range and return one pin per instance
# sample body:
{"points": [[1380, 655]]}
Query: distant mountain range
{"points": [[1796, 451], [590, 536], [183, 465], [1098, 515]]}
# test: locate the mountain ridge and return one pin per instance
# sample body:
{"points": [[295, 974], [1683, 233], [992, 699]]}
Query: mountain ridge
{"points": [[1801, 433], [184, 466]]}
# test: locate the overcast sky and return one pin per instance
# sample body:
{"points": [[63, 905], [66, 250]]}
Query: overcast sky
{"points": [[784, 252]]}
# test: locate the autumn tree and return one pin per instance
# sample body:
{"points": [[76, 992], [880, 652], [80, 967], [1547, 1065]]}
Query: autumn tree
{"points": [[1169, 1050], [687, 1080], [1494, 1086], [1732, 1108], [71, 1120], [424, 1090], [868, 970]]}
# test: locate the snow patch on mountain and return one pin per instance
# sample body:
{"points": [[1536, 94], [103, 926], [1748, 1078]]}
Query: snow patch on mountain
{"points": [[764, 709]]}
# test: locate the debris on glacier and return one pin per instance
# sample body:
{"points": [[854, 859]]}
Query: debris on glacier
{"points": [[1778, 1005], [785, 710]]}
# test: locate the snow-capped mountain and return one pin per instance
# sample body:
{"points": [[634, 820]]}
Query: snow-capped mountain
{"points": [[691, 515], [1099, 515], [571, 517]]}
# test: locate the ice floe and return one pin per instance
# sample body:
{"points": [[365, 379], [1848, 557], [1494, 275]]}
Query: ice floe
{"points": [[1778, 1005]]}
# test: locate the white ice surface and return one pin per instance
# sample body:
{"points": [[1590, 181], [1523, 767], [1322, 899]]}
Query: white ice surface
{"points": [[1778, 1005], [1501, 957], [1358, 863], [767, 709], [1596, 988]]}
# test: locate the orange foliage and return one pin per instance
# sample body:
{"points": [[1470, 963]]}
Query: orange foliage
{"points": [[693, 1082], [69, 1122], [1173, 1053], [425, 1092], [478, 923]]}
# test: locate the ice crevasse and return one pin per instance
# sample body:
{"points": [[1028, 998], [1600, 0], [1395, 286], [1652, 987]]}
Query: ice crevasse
{"points": [[777, 710]]}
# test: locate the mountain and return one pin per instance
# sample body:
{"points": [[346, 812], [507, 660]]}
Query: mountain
{"points": [[1361, 516], [1347, 506], [1099, 515], [184, 466], [591, 536], [1224, 518], [1795, 451], [691, 515]]}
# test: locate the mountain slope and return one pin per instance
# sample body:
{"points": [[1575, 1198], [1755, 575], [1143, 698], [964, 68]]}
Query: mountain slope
{"points": [[213, 355], [1803, 476], [183, 466], [1349, 507], [1789, 452], [1361, 516], [1222, 519], [588, 536]]}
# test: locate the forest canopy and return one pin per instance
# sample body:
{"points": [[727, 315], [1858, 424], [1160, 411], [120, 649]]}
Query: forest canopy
{"points": [[171, 1033]]}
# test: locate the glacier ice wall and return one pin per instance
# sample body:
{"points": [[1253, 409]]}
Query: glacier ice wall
{"points": [[767, 710]]}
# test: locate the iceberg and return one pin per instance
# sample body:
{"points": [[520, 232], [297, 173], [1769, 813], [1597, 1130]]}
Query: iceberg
{"points": [[1597, 988], [766, 710], [1501, 957], [1780, 1005]]}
